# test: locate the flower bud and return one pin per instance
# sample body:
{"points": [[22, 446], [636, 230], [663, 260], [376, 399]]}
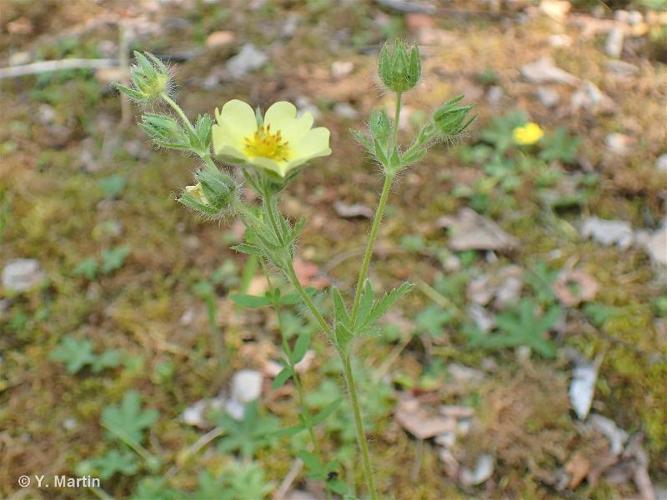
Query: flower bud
{"points": [[215, 195], [399, 66], [165, 131], [451, 119], [150, 79]]}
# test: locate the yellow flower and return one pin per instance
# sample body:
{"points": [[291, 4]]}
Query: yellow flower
{"points": [[197, 192], [527, 134], [280, 143]]}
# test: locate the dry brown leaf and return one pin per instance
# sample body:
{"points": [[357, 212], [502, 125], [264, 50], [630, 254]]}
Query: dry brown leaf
{"points": [[422, 423], [577, 467]]}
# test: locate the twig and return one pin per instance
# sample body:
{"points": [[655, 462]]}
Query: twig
{"points": [[57, 65], [199, 444], [125, 35], [289, 479]]}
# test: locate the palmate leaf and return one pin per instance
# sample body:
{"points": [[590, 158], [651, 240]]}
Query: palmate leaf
{"points": [[111, 463], [75, 354], [522, 327], [128, 421], [381, 306]]}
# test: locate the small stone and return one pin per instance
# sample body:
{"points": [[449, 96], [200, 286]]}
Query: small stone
{"points": [[352, 211], [560, 41], [556, 9], [341, 69], [656, 246], [18, 58], [346, 111], [69, 424], [481, 473], [46, 114], [618, 143], [614, 44], [548, 97], [591, 98], [661, 163], [608, 232], [20, 275], [246, 386], [494, 95], [545, 71], [481, 317], [290, 25], [247, 60], [219, 39], [621, 68]]}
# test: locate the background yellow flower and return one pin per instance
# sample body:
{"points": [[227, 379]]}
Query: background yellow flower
{"points": [[527, 134]]}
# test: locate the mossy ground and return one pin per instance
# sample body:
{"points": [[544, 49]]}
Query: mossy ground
{"points": [[53, 209]]}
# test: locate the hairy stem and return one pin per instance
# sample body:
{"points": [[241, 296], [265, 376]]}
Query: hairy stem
{"points": [[295, 376], [178, 110], [359, 426], [370, 244], [397, 115]]}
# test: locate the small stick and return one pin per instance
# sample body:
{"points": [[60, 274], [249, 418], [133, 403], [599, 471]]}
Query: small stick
{"points": [[57, 65], [289, 479]]}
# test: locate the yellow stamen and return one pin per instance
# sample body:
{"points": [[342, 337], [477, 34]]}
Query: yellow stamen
{"points": [[266, 144]]}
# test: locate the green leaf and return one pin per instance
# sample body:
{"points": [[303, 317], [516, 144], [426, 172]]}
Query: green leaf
{"points": [[300, 347], [282, 377], [385, 303], [325, 413], [248, 249], [560, 146], [251, 301], [75, 354], [519, 327], [88, 268], [432, 320], [128, 421], [111, 463], [113, 259], [112, 186], [108, 359]]}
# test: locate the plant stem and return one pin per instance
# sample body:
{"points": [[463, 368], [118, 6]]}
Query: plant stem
{"points": [[372, 237], [178, 110], [345, 357], [359, 426], [397, 115]]}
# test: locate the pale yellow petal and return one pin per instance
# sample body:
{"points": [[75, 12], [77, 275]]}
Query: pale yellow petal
{"points": [[236, 121], [312, 145], [279, 114], [269, 164]]}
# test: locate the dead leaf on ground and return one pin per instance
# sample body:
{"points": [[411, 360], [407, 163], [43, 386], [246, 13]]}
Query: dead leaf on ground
{"points": [[309, 274], [574, 287], [577, 467], [420, 422], [471, 231]]}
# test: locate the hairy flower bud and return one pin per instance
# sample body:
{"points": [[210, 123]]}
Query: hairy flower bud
{"points": [[215, 195], [150, 79], [399, 66], [451, 118], [165, 131]]}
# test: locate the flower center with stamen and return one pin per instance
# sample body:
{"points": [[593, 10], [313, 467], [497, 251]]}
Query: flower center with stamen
{"points": [[267, 144]]}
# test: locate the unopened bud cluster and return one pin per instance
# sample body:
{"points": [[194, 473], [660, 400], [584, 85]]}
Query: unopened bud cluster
{"points": [[215, 195], [150, 79], [399, 66]]}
